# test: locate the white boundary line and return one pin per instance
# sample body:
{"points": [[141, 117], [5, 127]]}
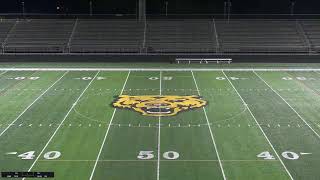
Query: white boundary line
{"points": [[264, 134], [159, 135], [288, 105], [213, 141], [164, 160], [65, 117], [26, 109], [107, 132], [162, 69]]}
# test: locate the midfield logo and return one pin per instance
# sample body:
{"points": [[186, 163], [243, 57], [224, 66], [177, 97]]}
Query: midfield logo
{"points": [[159, 105]]}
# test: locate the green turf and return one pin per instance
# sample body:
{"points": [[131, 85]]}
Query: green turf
{"points": [[247, 113]]}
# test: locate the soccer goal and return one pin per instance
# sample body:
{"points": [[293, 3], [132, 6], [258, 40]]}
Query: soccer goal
{"points": [[203, 60]]}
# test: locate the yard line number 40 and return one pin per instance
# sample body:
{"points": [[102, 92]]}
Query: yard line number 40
{"points": [[286, 154], [49, 155]]}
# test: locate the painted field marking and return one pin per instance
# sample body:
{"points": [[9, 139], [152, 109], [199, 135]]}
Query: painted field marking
{"points": [[11, 153], [264, 134], [65, 117], [212, 137], [288, 104], [159, 131], [164, 69], [107, 132], [3, 73], [26, 109], [165, 160]]}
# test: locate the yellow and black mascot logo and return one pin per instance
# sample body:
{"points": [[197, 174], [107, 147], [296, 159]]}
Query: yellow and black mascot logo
{"points": [[159, 105]]}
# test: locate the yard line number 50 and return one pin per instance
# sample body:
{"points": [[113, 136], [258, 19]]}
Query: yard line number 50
{"points": [[147, 155]]}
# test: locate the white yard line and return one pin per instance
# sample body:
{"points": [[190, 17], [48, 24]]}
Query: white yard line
{"points": [[65, 117], [288, 105], [264, 134], [163, 69], [212, 137], [107, 132], [3, 73], [159, 135], [26, 109]]}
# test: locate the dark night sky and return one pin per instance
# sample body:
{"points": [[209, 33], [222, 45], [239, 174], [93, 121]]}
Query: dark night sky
{"points": [[157, 6]]}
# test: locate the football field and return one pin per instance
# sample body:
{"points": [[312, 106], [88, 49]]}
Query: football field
{"points": [[160, 124]]}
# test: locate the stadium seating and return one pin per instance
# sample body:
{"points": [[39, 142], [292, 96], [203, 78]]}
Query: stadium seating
{"points": [[260, 36], [312, 30], [159, 36], [5, 27], [39, 35], [108, 36], [180, 36]]}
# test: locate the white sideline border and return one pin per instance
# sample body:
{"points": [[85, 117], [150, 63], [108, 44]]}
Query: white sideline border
{"points": [[163, 69]]}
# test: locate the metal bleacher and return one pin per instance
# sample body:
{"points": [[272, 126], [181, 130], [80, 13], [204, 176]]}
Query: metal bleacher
{"points": [[181, 36], [5, 27], [312, 30], [260, 36], [39, 35], [159, 36], [107, 36]]}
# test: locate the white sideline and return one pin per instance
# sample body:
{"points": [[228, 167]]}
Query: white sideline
{"points": [[163, 69], [288, 105], [212, 138], [65, 117], [264, 134], [159, 135], [26, 109], [107, 132]]}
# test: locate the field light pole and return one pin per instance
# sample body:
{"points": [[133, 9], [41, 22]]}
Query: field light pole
{"points": [[90, 4], [142, 10], [229, 10], [225, 10], [23, 9], [166, 8], [292, 7]]}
